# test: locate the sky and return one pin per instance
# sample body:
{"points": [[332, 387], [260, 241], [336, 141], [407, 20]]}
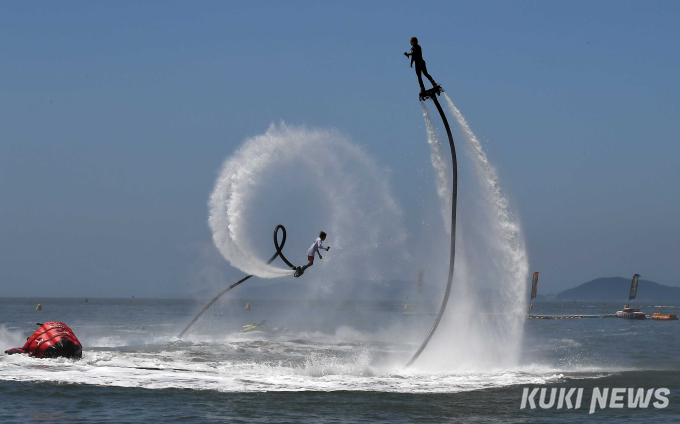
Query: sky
{"points": [[116, 117]]}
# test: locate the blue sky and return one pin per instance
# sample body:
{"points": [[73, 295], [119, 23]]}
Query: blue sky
{"points": [[115, 118]]}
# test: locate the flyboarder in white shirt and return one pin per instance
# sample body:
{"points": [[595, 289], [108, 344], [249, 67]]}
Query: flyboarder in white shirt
{"points": [[311, 251]]}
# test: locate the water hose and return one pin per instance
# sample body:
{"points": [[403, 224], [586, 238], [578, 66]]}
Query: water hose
{"points": [[278, 253], [432, 94]]}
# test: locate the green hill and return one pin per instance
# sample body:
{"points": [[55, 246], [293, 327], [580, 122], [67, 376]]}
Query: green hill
{"points": [[617, 288]]}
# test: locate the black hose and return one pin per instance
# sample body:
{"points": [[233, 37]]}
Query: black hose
{"points": [[278, 253], [454, 196]]}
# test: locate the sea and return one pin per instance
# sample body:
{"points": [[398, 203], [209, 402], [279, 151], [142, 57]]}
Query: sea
{"points": [[325, 362]]}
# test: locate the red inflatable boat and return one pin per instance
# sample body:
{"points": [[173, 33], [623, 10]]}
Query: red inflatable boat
{"points": [[51, 340]]}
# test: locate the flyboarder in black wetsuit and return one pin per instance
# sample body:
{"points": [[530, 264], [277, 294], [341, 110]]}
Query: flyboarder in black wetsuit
{"points": [[417, 58]]}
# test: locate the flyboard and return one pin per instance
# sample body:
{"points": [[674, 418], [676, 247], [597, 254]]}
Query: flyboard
{"points": [[424, 95], [298, 272]]}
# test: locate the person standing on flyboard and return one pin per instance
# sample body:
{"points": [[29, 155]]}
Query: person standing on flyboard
{"points": [[416, 56]]}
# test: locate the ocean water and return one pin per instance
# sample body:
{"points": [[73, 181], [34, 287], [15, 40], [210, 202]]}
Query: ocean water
{"points": [[335, 362]]}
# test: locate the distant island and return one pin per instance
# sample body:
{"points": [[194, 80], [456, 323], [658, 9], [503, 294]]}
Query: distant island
{"points": [[617, 288]]}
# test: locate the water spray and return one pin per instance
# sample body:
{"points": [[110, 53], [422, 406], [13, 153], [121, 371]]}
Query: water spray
{"points": [[491, 270]]}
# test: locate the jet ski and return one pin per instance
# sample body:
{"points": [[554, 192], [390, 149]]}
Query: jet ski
{"points": [[262, 327]]}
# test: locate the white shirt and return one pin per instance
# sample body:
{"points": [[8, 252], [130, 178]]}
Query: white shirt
{"points": [[315, 247]]}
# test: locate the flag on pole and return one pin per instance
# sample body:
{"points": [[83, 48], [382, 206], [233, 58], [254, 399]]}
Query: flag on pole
{"points": [[633, 287], [534, 285]]}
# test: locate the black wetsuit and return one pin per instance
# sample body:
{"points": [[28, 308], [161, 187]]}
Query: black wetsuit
{"points": [[417, 58]]}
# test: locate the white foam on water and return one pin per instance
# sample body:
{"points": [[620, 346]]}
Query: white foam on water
{"points": [[311, 368], [344, 359]]}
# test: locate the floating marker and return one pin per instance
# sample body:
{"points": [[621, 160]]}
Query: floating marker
{"points": [[247, 306], [569, 316], [39, 307]]}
